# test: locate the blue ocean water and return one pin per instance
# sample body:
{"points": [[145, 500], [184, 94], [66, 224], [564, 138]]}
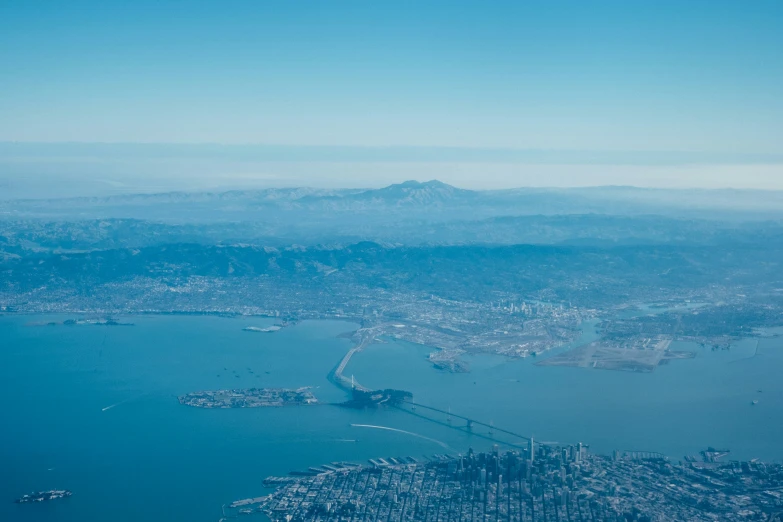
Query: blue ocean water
{"points": [[94, 409]]}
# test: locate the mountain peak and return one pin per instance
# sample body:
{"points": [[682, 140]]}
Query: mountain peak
{"points": [[433, 183], [414, 192]]}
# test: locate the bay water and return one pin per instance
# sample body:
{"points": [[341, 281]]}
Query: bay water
{"points": [[94, 409]]}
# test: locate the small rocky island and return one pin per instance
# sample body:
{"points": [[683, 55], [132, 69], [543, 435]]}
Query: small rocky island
{"points": [[42, 496], [268, 329], [250, 398]]}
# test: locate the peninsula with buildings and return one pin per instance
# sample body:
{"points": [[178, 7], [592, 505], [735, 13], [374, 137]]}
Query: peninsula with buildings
{"points": [[545, 483]]}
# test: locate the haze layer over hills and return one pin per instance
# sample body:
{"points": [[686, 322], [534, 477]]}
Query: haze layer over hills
{"points": [[512, 271], [411, 213]]}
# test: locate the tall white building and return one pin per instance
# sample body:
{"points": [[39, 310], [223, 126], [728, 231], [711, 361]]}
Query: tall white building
{"points": [[532, 449]]}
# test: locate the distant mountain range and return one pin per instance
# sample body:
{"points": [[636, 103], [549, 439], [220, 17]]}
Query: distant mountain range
{"points": [[586, 275], [418, 199]]}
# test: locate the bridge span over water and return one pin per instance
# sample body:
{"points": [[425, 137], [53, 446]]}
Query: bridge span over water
{"points": [[469, 422], [349, 384]]}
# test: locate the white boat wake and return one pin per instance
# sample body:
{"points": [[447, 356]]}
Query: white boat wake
{"points": [[387, 428], [123, 402]]}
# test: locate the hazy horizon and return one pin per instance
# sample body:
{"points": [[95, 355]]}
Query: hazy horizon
{"points": [[355, 94], [44, 170]]}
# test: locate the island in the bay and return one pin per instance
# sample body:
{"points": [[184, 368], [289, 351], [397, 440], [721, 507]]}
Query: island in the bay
{"points": [[42, 496], [364, 398], [249, 398], [539, 483]]}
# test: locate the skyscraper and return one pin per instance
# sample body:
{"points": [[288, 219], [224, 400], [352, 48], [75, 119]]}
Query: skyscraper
{"points": [[532, 449]]}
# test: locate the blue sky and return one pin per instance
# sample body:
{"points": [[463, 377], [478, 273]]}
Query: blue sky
{"points": [[704, 77]]}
